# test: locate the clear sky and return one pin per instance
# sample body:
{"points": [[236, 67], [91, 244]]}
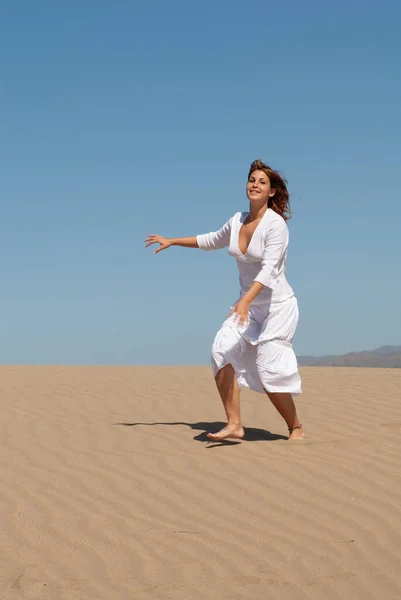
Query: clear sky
{"points": [[123, 118]]}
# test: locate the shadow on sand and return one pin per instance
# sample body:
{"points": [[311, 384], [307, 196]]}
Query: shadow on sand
{"points": [[252, 434]]}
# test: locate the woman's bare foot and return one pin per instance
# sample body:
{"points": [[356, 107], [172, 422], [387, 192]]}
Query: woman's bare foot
{"points": [[229, 431], [296, 434]]}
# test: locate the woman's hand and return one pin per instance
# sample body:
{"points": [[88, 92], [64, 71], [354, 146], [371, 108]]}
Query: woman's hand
{"points": [[158, 239], [241, 312]]}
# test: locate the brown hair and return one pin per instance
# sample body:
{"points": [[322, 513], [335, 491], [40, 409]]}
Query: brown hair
{"points": [[280, 202]]}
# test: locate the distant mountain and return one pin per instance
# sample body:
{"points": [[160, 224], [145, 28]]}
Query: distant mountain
{"points": [[386, 357]]}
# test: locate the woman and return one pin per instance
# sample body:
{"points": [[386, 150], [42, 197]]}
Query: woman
{"points": [[253, 347]]}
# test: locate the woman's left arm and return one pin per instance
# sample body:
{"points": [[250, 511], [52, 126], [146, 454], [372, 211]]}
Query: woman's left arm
{"points": [[276, 243], [241, 309]]}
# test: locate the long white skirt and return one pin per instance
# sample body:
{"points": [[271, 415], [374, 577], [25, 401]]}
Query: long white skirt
{"points": [[261, 352]]}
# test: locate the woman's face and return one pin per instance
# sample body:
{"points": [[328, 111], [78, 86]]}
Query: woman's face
{"points": [[258, 188]]}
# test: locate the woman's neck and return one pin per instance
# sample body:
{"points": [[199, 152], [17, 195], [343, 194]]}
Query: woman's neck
{"points": [[256, 212]]}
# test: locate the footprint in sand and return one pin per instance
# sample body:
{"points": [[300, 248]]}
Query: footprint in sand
{"points": [[21, 579]]}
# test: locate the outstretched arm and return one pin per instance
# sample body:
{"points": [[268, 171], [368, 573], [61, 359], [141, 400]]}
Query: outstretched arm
{"points": [[206, 241], [187, 242], [215, 240]]}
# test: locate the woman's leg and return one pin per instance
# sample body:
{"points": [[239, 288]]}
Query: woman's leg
{"points": [[227, 348], [227, 385], [276, 361], [286, 407]]}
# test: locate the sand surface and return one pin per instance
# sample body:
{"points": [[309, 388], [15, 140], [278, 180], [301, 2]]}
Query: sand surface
{"points": [[110, 490]]}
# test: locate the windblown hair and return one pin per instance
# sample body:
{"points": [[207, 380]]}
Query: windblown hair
{"points": [[280, 202]]}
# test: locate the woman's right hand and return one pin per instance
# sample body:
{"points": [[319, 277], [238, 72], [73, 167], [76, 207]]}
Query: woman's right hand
{"points": [[158, 239]]}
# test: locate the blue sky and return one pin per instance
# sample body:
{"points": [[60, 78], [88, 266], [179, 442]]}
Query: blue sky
{"points": [[124, 118]]}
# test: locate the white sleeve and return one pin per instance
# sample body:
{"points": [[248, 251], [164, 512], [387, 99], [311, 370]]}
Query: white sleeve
{"points": [[215, 240], [273, 254]]}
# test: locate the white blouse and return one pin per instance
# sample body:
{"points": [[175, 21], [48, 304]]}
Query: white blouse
{"points": [[266, 256]]}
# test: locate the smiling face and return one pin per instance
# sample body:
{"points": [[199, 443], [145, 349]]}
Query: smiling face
{"points": [[258, 188]]}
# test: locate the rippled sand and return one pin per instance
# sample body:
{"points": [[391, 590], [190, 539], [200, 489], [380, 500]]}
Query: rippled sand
{"points": [[110, 490]]}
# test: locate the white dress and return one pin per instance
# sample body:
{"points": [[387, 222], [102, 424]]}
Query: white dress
{"points": [[260, 352]]}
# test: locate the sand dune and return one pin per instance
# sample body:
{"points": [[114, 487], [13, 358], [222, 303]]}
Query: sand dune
{"points": [[110, 490]]}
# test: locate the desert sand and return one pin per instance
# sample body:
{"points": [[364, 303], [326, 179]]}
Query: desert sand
{"points": [[111, 490]]}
